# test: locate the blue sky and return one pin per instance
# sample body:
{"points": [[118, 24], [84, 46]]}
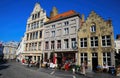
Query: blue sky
{"points": [[14, 13]]}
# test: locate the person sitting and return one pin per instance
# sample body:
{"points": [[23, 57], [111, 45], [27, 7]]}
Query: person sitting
{"points": [[105, 68], [99, 68]]}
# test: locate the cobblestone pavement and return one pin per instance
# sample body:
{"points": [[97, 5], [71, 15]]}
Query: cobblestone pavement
{"points": [[15, 70], [78, 75]]}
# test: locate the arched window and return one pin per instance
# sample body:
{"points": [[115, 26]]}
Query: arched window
{"points": [[93, 27]]}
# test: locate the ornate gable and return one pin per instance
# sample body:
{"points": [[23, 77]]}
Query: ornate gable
{"points": [[95, 26], [94, 17], [37, 8]]}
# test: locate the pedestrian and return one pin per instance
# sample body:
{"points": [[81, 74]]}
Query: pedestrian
{"points": [[28, 62], [73, 69], [84, 67], [113, 70]]}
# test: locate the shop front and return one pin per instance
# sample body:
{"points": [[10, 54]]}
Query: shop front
{"points": [[64, 58]]}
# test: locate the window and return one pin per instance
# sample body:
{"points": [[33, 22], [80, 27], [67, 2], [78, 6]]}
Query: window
{"points": [[37, 24], [36, 35], [94, 41], [84, 57], [106, 40], [46, 45], [33, 17], [66, 23], [40, 34], [30, 46], [35, 46], [52, 44], [73, 40], [107, 58], [83, 42], [41, 22], [34, 25], [66, 31], [33, 35], [30, 36], [53, 33], [26, 47], [66, 43], [58, 44], [53, 26], [27, 36], [34, 57], [93, 28], [39, 46], [28, 27]]}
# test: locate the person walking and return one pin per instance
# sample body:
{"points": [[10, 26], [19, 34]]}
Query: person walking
{"points": [[83, 70]]}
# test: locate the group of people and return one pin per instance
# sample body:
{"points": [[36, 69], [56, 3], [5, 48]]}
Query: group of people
{"points": [[106, 68], [30, 63]]}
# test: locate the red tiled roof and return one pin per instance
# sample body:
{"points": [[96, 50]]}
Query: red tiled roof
{"points": [[65, 14]]}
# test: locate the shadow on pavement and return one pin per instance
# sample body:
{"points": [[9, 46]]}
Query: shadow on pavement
{"points": [[3, 66]]}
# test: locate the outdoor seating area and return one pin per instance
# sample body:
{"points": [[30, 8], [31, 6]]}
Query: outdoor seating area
{"points": [[109, 69]]}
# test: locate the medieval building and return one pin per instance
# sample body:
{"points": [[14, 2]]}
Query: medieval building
{"points": [[96, 42], [34, 34]]}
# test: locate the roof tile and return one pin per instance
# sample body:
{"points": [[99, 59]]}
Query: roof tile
{"points": [[65, 14]]}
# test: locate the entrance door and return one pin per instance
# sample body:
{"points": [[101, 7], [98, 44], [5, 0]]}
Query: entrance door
{"points": [[94, 61]]}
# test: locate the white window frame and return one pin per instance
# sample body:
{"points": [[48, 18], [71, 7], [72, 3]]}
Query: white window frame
{"points": [[66, 31], [66, 23], [94, 41], [53, 33], [93, 28], [106, 41], [58, 44], [106, 58], [83, 57], [66, 43], [73, 42], [83, 41], [53, 26]]}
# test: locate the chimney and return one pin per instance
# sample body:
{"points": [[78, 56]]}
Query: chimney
{"points": [[54, 12]]}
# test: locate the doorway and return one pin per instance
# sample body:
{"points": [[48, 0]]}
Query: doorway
{"points": [[94, 61]]}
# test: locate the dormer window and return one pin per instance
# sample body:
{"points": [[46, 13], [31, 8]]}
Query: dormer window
{"points": [[93, 28]]}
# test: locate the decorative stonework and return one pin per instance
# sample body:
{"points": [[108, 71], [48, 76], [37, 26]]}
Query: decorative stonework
{"points": [[101, 28]]}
